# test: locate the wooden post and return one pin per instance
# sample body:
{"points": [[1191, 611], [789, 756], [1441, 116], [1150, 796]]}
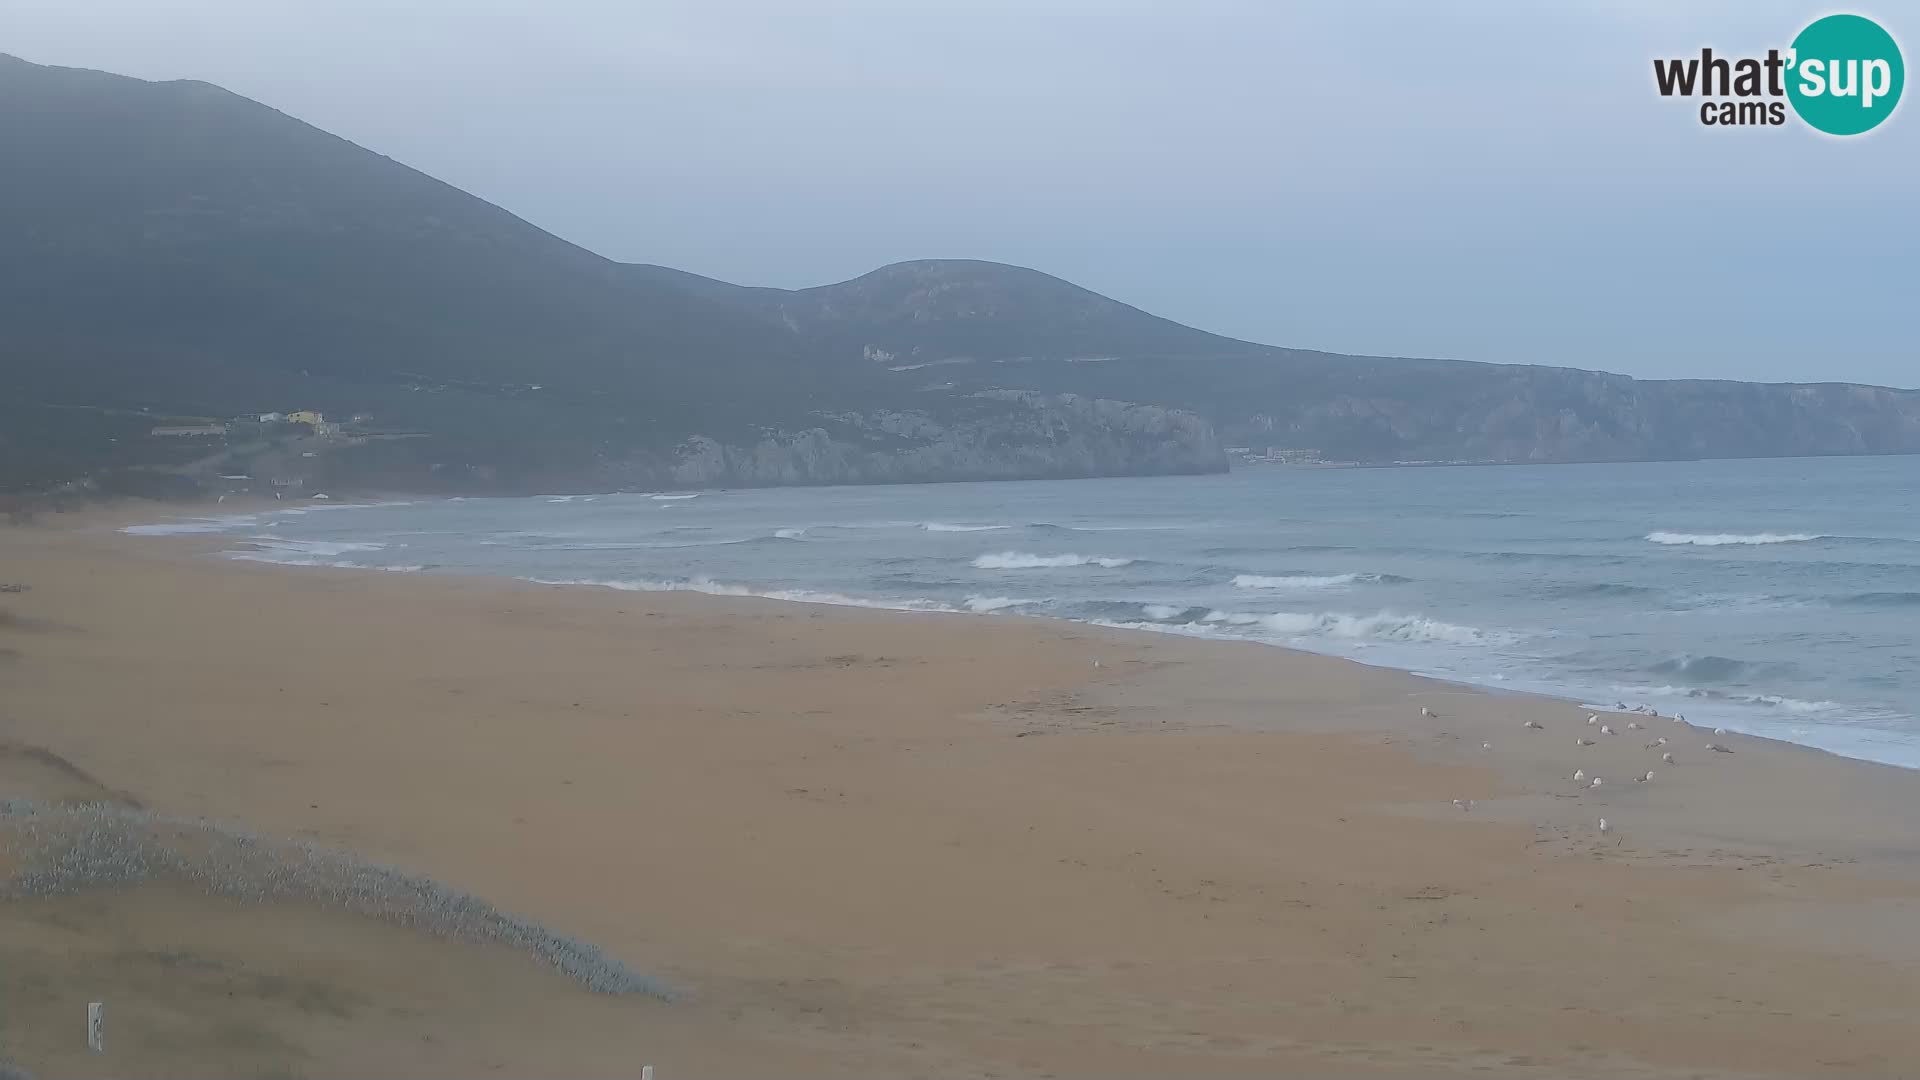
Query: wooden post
{"points": [[96, 1026]]}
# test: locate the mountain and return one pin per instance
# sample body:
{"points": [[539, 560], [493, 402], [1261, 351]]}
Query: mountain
{"points": [[172, 251]]}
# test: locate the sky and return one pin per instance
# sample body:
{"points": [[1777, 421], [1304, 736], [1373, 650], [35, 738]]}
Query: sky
{"points": [[1492, 181]]}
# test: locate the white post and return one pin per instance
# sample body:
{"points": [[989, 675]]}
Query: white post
{"points": [[646, 1072], [96, 1026]]}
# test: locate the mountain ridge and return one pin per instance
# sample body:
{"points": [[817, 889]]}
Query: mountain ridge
{"points": [[174, 249]]}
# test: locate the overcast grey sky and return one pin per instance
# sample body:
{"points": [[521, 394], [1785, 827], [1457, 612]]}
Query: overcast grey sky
{"points": [[1482, 180]]}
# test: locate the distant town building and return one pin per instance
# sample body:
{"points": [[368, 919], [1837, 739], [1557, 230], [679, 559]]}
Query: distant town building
{"points": [[187, 431], [307, 417], [272, 417]]}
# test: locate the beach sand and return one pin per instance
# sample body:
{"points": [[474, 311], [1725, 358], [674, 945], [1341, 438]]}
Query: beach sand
{"points": [[863, 843]]}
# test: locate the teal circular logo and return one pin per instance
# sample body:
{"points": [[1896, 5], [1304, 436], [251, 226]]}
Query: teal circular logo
{"points": [[1846, 74]]}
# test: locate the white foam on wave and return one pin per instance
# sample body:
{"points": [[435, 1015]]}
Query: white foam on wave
{"points": [[277, 559], [1161, 612], [1724, 539], [942, 526], [281, 545], [673, 498], [789, 534], [720, 588], [1022, 560], [1380, 626], [1294, 581], [984, 604]]}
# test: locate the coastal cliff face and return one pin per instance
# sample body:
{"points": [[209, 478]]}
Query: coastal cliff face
{"points": [[1000, 436]]}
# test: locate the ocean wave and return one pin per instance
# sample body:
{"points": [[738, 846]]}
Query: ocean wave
{"points": [[281, 559], [674, 498], [941, 526], [1172, 613], [984, 604], [1794, 706], [1716, 669], [1598, 588], [1022, 560], [788, 534], [1312, 581], [1381, 626], [276, 544], [1302, 628], [1879, 599], [720, 588], [1724, 539]]}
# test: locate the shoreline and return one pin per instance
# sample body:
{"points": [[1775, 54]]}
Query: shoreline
{"points": [[871, 844], [1737, 716]]}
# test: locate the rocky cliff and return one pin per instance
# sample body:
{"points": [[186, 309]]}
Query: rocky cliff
{"points": [[1001, 435]]}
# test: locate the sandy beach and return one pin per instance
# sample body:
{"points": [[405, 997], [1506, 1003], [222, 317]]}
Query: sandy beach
{"points": [[865, 843]]}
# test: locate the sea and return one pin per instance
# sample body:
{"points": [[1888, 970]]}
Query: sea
{"points": [[1776, 597]]}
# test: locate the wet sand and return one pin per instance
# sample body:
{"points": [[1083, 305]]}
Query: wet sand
{"points": [[876, 844]]}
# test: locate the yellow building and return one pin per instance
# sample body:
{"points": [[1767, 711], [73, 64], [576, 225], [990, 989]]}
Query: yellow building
{"points": [[308, 417]]}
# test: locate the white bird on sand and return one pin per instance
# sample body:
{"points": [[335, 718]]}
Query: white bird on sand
{"points": [[1579, 774], [1583, 742], [1661, 741], [1668, 758], [1718, 749], [1647, 777], [1424, 711], [1596, 782], [1604, 827], [1533, 724], [1719, 731], [1486, 746], [1606, 729], [1635, 725], [1592, 719], [1463, 804], [1679, 719]]}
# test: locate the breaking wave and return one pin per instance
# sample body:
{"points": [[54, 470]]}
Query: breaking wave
{"points": [[941, 526], [1312, 581], [1724, 539], [1021, 560]]}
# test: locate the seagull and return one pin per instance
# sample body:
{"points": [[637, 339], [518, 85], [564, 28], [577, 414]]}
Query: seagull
{"points": [[1718, 749], [1668, 758], [1604, 827], [1661, 741], [1679, 719], [1635, 725], [1486, 746], [1647, 777], [1596, 782], [1719, 731], [1424, 711], [1096, 663], [1592, 719], [1583, 742], [1606, 729], [1463, 804], [1534, 725], [1579, 774]]}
